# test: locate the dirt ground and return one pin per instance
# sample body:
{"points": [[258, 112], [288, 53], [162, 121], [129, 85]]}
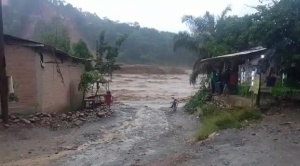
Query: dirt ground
{"points": [[143, 131]]}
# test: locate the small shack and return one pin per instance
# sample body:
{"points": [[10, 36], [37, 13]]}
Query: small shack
{"points": [[43, 78], [244, 65]]}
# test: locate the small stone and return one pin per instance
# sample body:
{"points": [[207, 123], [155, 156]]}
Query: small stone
{"points": [[16, 121], [253, 133], [78, 122], [13, 117], [25, 121], [82, 119], [81, 114], [287, 123], [275, 139], [6, 125], [31, 116], [101, 114], [212, 135], [38, 114], [32, 120], [296, 142], [226, 163], [64, 116]]}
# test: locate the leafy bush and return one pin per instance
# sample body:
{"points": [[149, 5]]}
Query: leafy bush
{"points": [[248, 114], [208, 109], [199, 99], [243, 89]]}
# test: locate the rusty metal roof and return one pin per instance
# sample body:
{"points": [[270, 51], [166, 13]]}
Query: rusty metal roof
{"points": [[243, 54], [12, 40]]}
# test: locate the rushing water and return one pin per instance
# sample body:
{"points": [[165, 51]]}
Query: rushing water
{"points": [[155, 88]]}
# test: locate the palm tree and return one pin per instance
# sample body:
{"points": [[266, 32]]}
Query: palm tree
{"points": [[200, 38]]}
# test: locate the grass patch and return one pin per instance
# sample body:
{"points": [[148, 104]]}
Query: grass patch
{"points": [[214, 119]]}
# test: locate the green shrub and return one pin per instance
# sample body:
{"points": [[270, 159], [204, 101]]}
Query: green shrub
{"points": [[246, 114], [206, 130], [243, 89], [197, 100], [225, 121], [216, 119], [208, 109]]}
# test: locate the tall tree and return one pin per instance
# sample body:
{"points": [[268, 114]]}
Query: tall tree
{"points": [[54, 34], [202, 38], [107, 54], [81, 50]]}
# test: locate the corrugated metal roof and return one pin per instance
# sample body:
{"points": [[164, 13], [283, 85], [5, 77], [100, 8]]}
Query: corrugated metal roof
{"points": [[12, 40], [251, 51]]}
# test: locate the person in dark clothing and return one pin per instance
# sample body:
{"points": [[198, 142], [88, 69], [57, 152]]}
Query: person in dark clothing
{"points": [[219, 82], [212, 78], [226, 79]]}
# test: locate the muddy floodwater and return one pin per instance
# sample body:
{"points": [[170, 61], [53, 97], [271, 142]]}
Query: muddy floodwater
{"points": [[153, 88]]}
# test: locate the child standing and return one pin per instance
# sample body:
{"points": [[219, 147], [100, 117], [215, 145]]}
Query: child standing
{"points": [[108, 99]]}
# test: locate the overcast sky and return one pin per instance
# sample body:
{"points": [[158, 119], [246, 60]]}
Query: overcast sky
{"points": [[164, 15]]}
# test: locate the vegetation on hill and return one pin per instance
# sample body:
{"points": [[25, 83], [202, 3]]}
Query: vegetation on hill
{"points": [[33, 19]]}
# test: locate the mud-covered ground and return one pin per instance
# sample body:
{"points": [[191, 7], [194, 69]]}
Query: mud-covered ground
{"points": [[144, 131]]}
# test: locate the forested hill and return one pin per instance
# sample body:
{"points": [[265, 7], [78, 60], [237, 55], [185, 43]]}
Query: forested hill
{"points": [[29, 18]]}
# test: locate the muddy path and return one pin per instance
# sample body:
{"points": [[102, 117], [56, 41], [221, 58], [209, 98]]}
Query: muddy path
{"points": [[139, 133], [151, 134], [142, 129]]}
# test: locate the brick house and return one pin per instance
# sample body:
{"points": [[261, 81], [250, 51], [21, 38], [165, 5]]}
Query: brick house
{"points": [[45, 79]]}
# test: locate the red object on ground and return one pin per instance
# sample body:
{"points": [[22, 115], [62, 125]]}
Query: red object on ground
{"points": [[108, 99]]}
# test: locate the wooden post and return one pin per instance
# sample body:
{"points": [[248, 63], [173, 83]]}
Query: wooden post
{"points": [[3, 77], [258, 96]]}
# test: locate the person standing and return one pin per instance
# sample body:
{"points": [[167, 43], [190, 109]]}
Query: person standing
{"points": [[212, 78], [108, 99], [226, 79], [219, 87]]}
